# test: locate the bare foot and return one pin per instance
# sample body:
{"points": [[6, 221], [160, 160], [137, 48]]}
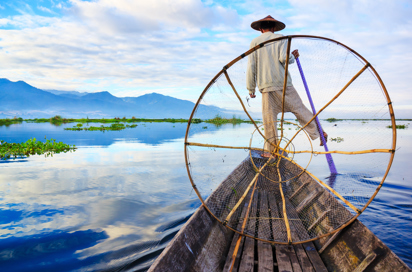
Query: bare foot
{"points": [[325, 135], [267, 155]]}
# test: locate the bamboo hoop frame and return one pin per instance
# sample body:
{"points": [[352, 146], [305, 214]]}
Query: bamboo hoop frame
{"points": [[296, 152], [224, 71], [281, 155]]}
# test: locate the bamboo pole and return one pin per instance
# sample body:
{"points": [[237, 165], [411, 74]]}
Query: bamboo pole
{"points": [[285, 215], [245, 193], [327, 186], [277, 218], [334, 192], [241, 102], [368, 151], [239, 239], [225, 146], [242, 229], [346, 152], [285, 81], [241, 199]]}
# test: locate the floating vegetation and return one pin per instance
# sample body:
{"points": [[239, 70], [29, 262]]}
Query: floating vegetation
{"points": [[59, 120], [7, 122], [337, 139], [115, 126], [399, 126], [331, 120], [33, 147], [218, 120]]}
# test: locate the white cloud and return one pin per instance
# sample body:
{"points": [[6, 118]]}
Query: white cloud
{"points": [[44, 9], [138, 46], [124, 16], [378, 30], [145, 44]]}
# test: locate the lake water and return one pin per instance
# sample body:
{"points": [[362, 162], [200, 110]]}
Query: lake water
{"points": [[116, 202]]}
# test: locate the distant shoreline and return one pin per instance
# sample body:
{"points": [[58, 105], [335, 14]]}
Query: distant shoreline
{"points": [[218, 120]]}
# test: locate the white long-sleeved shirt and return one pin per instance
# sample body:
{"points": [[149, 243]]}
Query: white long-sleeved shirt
{"points": [[266, 65]]}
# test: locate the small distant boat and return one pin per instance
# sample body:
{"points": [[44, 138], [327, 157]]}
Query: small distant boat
{"points": [[204, 244]]}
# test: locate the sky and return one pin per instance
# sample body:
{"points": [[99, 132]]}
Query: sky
{"points": [[175, 48]]}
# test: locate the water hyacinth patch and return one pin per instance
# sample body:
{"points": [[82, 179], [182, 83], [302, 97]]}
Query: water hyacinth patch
{"points": [[33, 147]]}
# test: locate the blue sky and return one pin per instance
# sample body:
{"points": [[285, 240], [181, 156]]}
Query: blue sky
{"points": [[175, 47]]}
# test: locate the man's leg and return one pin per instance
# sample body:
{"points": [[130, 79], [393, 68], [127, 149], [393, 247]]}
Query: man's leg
{"points": [[269, 114], [302, 113]]}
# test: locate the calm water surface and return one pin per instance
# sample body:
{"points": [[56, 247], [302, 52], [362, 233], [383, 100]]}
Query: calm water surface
{"points": [[116, 202]]}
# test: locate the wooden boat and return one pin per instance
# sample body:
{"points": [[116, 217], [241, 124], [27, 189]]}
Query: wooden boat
{"points": [[204, 244]]}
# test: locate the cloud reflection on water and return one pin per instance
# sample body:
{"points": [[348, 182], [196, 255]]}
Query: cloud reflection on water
{"points": [[130, 194]]}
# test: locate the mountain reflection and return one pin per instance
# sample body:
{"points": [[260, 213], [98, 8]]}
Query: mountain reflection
{"points": [[147, 133]]}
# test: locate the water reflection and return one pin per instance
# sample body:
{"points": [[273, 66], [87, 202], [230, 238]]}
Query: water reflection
{"points": [[148, 133], [119, 199], [35, 253]]}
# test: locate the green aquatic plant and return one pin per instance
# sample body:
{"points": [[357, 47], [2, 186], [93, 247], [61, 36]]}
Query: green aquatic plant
{"points": [[399, 126], [7, 122], [337, 139], [234, 190], [331, 120], [219, 120], [115, 126], [59, 120], [33, 147]]}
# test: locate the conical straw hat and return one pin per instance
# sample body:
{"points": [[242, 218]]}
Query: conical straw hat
{"points": [[278, 24]]}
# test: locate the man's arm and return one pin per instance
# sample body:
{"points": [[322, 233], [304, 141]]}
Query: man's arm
{"points": [[282, 53], [251, 74]]}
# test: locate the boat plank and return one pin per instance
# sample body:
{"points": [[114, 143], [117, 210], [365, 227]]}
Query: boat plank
{"points": [[229, 259], [282, 251], [294, 259], [189, 242], [314, 257], [265, 257], [265, 253], [283, 259], [248, 257], [366, 262], [309, 247], [303, 258]]}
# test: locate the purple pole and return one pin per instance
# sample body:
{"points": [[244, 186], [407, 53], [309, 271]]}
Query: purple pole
{"points": [[331, 164]]}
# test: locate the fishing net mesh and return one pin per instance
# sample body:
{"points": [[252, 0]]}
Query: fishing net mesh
{"points": [[293, 196]]}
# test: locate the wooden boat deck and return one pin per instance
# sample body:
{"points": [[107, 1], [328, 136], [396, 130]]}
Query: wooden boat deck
{"points": [[204, 244], [253, 255]]}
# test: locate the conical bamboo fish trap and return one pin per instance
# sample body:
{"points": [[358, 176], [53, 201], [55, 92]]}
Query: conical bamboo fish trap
{"points": [[342, 84]]}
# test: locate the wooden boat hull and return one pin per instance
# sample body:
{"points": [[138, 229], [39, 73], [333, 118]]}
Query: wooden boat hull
{"points": [[204, 244]]}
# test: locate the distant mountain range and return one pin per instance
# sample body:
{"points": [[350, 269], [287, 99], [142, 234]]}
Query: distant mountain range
{"points": [[23, 100]]}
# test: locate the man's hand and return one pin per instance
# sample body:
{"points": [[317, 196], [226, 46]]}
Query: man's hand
{"points": [[295, 53], [252, 95]]}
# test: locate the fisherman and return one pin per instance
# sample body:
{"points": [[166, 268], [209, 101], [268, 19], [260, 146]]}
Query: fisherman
{"points": [[266, 70]]}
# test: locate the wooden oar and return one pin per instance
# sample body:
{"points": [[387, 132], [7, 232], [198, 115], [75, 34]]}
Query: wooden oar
{"points": [[331, 164]]}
